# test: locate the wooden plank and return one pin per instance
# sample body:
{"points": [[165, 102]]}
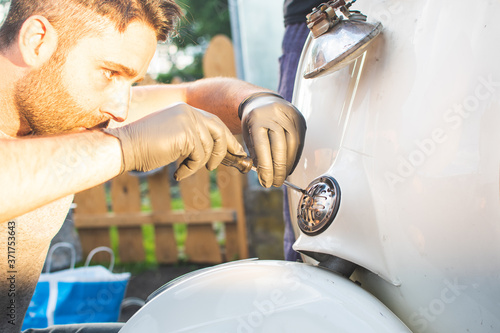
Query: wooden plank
{"points": [[92, 201], [201, 242], [227, 215], [159, 193], [112, 219], [126, 198], [230, 183], [195, 217]]}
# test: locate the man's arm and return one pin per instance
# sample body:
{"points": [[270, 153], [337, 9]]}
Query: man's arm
{"points": [[219, 96], [37, 171]]}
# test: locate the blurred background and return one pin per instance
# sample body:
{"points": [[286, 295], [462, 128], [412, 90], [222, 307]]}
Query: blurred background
{"points": [[255, 28]]}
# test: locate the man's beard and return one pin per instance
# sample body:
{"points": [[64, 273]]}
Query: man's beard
{"points": [[44, 102]]}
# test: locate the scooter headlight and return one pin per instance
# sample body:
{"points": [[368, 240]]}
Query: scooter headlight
{"points": [[318, 207]]}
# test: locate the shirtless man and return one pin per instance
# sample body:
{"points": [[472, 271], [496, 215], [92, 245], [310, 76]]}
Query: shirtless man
{"points": [[67, 70]]}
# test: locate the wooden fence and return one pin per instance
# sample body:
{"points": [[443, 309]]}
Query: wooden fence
{"points": [[93, 218]]}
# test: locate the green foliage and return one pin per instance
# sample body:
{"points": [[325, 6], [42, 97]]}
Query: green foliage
{"points": [[189, 73], [203, 19]]}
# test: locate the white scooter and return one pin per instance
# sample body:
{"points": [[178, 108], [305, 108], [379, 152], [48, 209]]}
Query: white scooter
{"points": [[400, 226]]}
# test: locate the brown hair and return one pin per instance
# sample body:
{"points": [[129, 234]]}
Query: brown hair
{"points": [[70, 16]]}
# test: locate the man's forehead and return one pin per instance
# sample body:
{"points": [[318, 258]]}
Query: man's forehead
{"points": [[126, 51]]}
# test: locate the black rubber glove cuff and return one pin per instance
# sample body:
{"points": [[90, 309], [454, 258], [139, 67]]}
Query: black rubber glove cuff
{"points": [[114, 132], [252, 97]]}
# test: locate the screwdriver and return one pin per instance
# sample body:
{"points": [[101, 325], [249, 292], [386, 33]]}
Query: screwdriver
{"points": [[245, 164]]}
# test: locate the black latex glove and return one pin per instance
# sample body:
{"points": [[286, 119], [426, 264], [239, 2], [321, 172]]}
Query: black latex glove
{"points": [[274, 132], [182, 132]]}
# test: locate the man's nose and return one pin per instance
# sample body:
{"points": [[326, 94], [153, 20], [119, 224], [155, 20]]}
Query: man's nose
{"points": [[117, 103]]}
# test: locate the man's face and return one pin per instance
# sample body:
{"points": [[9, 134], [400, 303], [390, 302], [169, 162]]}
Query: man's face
{"points": [[89, 85]]}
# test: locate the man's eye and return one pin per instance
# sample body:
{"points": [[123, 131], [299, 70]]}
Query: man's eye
{"points": [[109, 73]]}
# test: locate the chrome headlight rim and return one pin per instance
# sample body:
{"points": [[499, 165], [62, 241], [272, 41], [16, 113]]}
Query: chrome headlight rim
{"points": [[319, 206]]}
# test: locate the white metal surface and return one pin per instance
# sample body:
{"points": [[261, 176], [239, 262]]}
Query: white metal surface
{"points": [[264, 296], [411, 133]]}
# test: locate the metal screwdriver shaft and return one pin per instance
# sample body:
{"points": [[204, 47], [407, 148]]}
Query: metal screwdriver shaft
{"points": [[294, 187], [245, 164]]}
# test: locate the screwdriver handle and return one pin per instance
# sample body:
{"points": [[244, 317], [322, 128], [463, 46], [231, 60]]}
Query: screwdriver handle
{"points": [[243, 164]]}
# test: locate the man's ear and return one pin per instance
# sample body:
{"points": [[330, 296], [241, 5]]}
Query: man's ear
{"points": [[37, 40]]}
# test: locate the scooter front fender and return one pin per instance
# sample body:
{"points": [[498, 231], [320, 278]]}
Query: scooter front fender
{"points": [[263, 296]]}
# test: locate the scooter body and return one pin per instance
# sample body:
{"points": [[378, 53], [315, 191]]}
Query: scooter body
{"points": [[263, 296], [410, 132]]}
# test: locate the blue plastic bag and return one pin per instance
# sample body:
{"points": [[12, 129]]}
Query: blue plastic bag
{"points": [[88, 294]]}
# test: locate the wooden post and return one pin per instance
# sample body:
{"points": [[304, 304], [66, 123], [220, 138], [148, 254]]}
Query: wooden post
{"points": [[126, 198], [92, 201], [159, 193], [230, 184], [201, 242], [218, 59]]}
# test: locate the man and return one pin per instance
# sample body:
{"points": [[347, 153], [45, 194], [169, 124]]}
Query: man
{"points": [[67, 68]]}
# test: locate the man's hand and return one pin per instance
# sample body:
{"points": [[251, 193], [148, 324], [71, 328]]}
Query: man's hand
{"points": [[196, 137], [274, 131]]}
